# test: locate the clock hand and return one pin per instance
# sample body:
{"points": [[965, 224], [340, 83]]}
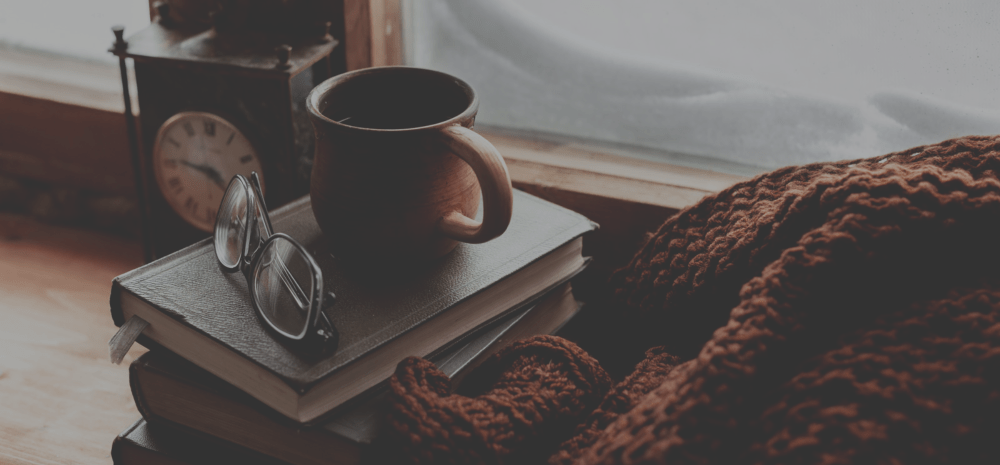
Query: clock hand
{"points": [[208, 171]]}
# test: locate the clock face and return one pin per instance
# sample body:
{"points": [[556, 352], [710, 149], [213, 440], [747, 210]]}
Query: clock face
{"points": [[195, 156]]}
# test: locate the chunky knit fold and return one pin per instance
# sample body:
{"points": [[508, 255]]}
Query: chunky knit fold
{"points": [[841, 312], [539, 389]]}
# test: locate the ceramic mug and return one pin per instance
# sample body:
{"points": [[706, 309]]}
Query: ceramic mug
{"points": [[398, 171]]}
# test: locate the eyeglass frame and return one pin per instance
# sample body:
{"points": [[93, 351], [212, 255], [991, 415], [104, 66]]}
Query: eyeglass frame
{"points": [[319, 334]]}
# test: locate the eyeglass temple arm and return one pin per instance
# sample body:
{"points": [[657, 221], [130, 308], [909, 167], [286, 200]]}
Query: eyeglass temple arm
{"points": [[255, 181]]}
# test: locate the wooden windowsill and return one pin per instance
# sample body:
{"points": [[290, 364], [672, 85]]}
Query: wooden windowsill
{"points": [[61, 123], [68, 89], [64, 80], [588, 168]]}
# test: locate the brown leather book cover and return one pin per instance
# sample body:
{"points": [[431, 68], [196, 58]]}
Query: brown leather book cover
{"points": [[189, 288], [161, 444]]}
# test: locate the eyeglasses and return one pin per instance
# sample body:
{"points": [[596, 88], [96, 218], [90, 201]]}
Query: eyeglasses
{"points": [[285, 283]]}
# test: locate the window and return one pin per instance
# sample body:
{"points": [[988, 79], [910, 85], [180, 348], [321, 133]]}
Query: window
{"points": [[733, 83], [58, 50], [70, 29]]}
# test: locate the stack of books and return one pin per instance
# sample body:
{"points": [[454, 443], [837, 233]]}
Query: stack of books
{"points": [[216, 387]]}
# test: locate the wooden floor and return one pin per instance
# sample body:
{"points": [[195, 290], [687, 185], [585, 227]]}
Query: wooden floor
{"points": [[61, 399]]}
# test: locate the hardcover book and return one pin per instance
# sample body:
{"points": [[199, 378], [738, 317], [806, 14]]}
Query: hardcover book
{"points": [[170, 390], [162, 444], [205, 315]]}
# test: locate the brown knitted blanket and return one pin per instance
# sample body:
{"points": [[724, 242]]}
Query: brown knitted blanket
{"points": [[830, 313]]}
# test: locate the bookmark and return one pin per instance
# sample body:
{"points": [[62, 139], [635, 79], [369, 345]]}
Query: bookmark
{"points": [[122, 341]]}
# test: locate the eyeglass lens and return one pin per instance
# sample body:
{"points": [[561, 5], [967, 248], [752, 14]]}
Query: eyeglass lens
{"points": [[283, 286], [230, 229]]}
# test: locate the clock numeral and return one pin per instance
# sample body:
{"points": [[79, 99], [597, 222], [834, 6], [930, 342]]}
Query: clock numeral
{"points": [[191, 204], [210, 128], [174, 141], [230, 140], [246, 158], [210, 214], [175, 184], [189, 129]]}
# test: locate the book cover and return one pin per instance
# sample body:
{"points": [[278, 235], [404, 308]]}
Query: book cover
{"points": [[162, 444], [169, 389], [194, 309]]}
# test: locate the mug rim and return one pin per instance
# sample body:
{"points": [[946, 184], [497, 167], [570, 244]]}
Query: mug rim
{"points": [[322, 89]]}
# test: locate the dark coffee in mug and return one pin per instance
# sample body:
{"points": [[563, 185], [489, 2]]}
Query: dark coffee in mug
{"points": [[398, 172], [386, 102]]}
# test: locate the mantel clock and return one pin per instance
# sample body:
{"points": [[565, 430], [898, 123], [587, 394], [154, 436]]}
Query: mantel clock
{"points": [[221, 95]]}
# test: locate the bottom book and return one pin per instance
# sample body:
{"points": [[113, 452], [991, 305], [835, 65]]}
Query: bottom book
{"points": [[173, 392], [163, 444]]}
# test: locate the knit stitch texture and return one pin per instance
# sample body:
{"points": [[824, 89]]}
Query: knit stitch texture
{"points": [[841, 312]]}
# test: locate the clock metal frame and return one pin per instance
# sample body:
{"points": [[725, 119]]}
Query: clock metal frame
{"points": [[256, 80]]}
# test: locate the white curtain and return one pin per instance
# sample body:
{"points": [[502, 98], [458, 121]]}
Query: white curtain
{"points": [[537, 78]]}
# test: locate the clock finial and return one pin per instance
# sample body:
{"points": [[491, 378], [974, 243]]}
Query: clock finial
{"points": [[326, 32], [120, 43], [284, 53]]}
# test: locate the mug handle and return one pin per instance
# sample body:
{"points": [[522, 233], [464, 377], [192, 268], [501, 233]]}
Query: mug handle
{"points": [[494, 180]]}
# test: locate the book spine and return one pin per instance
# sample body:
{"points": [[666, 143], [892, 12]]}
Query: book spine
{"points": [[134, 383], [116, 302], [121, 442], [145, 443]]}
